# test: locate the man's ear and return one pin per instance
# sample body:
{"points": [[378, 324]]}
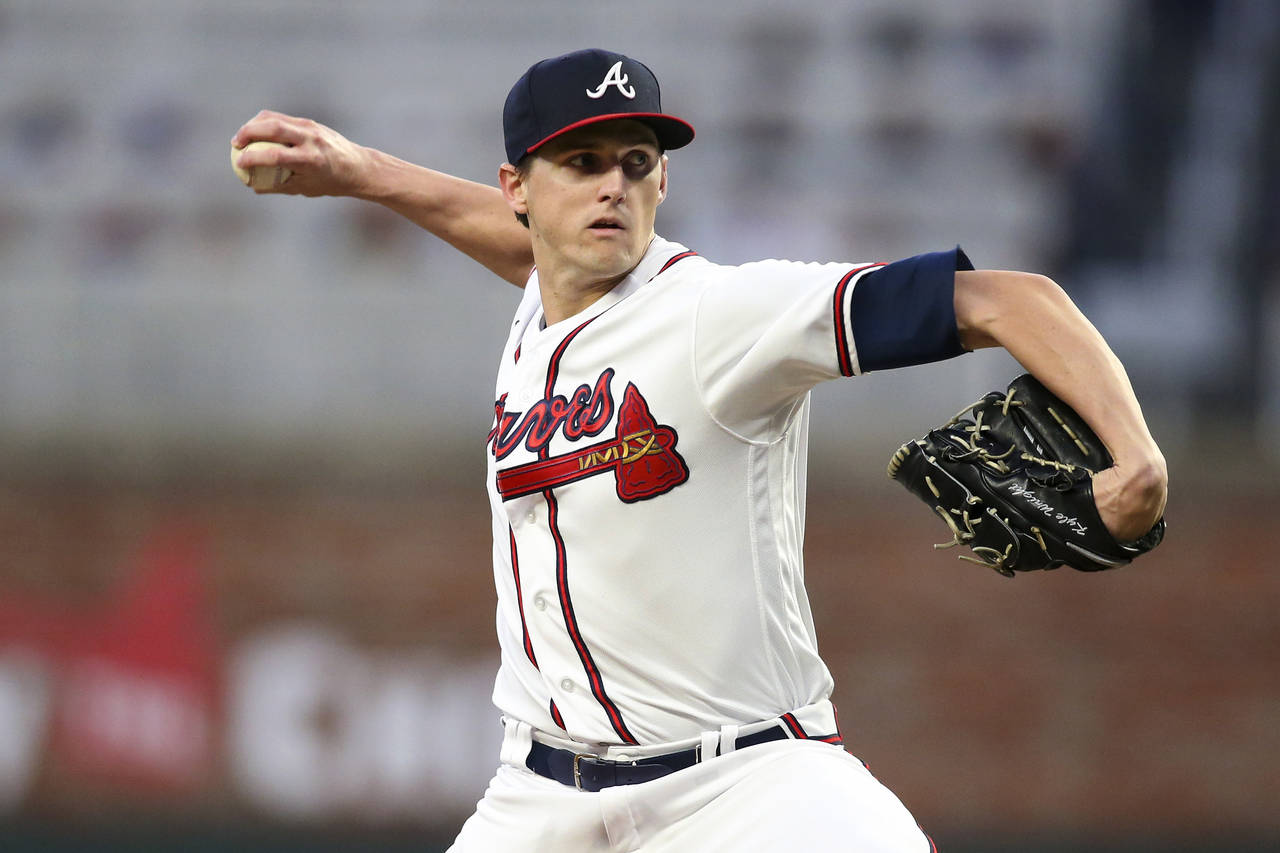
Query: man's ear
{"points": [[513, 188], [662, 188]]}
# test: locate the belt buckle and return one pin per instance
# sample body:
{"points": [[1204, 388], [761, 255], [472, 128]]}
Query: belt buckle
{"points": [[577, 774]]}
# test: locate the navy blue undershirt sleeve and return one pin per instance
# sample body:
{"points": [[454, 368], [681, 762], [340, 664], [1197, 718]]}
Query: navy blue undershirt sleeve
{"points": [[904, 313]]}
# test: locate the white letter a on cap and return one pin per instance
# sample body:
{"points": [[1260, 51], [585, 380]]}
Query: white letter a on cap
{"points": [[615, 77]]}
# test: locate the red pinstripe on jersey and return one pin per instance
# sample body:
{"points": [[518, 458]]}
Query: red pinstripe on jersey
{"points": [[844, 352], [594, 677], [524, 628], [515, 571], [571, 624]]}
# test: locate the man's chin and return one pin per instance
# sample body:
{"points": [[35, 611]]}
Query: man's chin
{"points": [[614, 264]]}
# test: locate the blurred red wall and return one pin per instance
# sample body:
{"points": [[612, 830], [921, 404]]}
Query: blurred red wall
{"points": [[1138, 702]]}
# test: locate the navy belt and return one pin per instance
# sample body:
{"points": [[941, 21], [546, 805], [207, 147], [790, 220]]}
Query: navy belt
{"points": [[589, 773]]}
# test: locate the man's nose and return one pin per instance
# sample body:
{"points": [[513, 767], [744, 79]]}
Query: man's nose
{"points": [[613, 183]]}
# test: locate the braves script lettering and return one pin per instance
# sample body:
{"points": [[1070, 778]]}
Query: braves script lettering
{"points": [[585, 412], [641, 455], [1069, 521]]}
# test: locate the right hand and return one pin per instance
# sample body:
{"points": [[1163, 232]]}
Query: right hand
{"points": [[323, 161]]}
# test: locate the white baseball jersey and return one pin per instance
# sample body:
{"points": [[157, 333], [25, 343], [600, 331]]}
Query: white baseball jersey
{"points": [[647, 480]]}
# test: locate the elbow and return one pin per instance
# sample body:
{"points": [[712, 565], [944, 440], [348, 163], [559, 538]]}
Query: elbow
{"points": [[987, 302]]}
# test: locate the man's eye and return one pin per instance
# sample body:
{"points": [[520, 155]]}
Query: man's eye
{"points": [[583, 161], [637, 165]]}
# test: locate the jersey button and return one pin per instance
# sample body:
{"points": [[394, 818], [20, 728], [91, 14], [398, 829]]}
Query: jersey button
{"points": [[566, 685], [540, 602], [532, 517]]}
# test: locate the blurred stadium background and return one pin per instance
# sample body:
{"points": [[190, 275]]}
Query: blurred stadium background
{"points": [[244, 585]]}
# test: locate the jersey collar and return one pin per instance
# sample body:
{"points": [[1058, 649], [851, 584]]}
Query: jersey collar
{"points": [[659, 252]]}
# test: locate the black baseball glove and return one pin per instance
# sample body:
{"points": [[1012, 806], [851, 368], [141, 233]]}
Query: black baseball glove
{"points": [[1012, 477]]}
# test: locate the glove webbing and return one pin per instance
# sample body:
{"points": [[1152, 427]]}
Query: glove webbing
{"points": [[989, 557]]}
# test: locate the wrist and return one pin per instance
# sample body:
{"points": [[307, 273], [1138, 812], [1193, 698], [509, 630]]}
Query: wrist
{"points": [[371, 175], [1146, 472], [1142, 489]]}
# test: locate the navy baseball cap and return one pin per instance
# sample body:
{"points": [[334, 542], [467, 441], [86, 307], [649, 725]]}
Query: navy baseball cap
{"points": [[558, 95]]}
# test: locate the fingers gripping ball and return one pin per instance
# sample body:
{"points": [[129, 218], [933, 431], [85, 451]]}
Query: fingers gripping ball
{"points": [[1012, 478], [259, 177]]}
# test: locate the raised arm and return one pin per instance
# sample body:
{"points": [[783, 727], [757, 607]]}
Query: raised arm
{"points": [[1032, 318], [472, 217]]}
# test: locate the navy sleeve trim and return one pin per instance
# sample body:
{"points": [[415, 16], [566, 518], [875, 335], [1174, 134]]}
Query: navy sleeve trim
{"points": [[904, 313]]}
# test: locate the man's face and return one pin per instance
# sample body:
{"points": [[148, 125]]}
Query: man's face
{"points": [[591, 196]]}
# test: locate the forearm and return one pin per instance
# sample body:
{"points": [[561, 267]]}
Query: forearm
{"points": [[471, 217], [1038, 324]]}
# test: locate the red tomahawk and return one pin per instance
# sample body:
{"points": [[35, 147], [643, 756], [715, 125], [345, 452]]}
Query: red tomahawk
{"points": [[642, 454]]}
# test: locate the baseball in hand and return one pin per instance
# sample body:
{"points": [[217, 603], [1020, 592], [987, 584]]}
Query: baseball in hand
{"points": [[260, 177]]}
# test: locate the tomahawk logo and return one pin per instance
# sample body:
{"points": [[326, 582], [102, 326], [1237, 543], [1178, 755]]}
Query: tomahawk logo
{"points": [[641, 455], [615, 77]]}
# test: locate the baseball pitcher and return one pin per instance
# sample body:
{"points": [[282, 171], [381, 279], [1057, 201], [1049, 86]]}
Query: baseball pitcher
{"points": [[660, 684]]}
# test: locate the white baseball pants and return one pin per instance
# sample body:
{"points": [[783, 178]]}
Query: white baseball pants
{"points": [[785, 795]]}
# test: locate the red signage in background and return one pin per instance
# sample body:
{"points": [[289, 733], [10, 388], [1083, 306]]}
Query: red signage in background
{"points": [[122, 692]]}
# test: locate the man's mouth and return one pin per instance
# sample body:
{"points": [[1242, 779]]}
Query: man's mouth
{"points": [[606, 225]]}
